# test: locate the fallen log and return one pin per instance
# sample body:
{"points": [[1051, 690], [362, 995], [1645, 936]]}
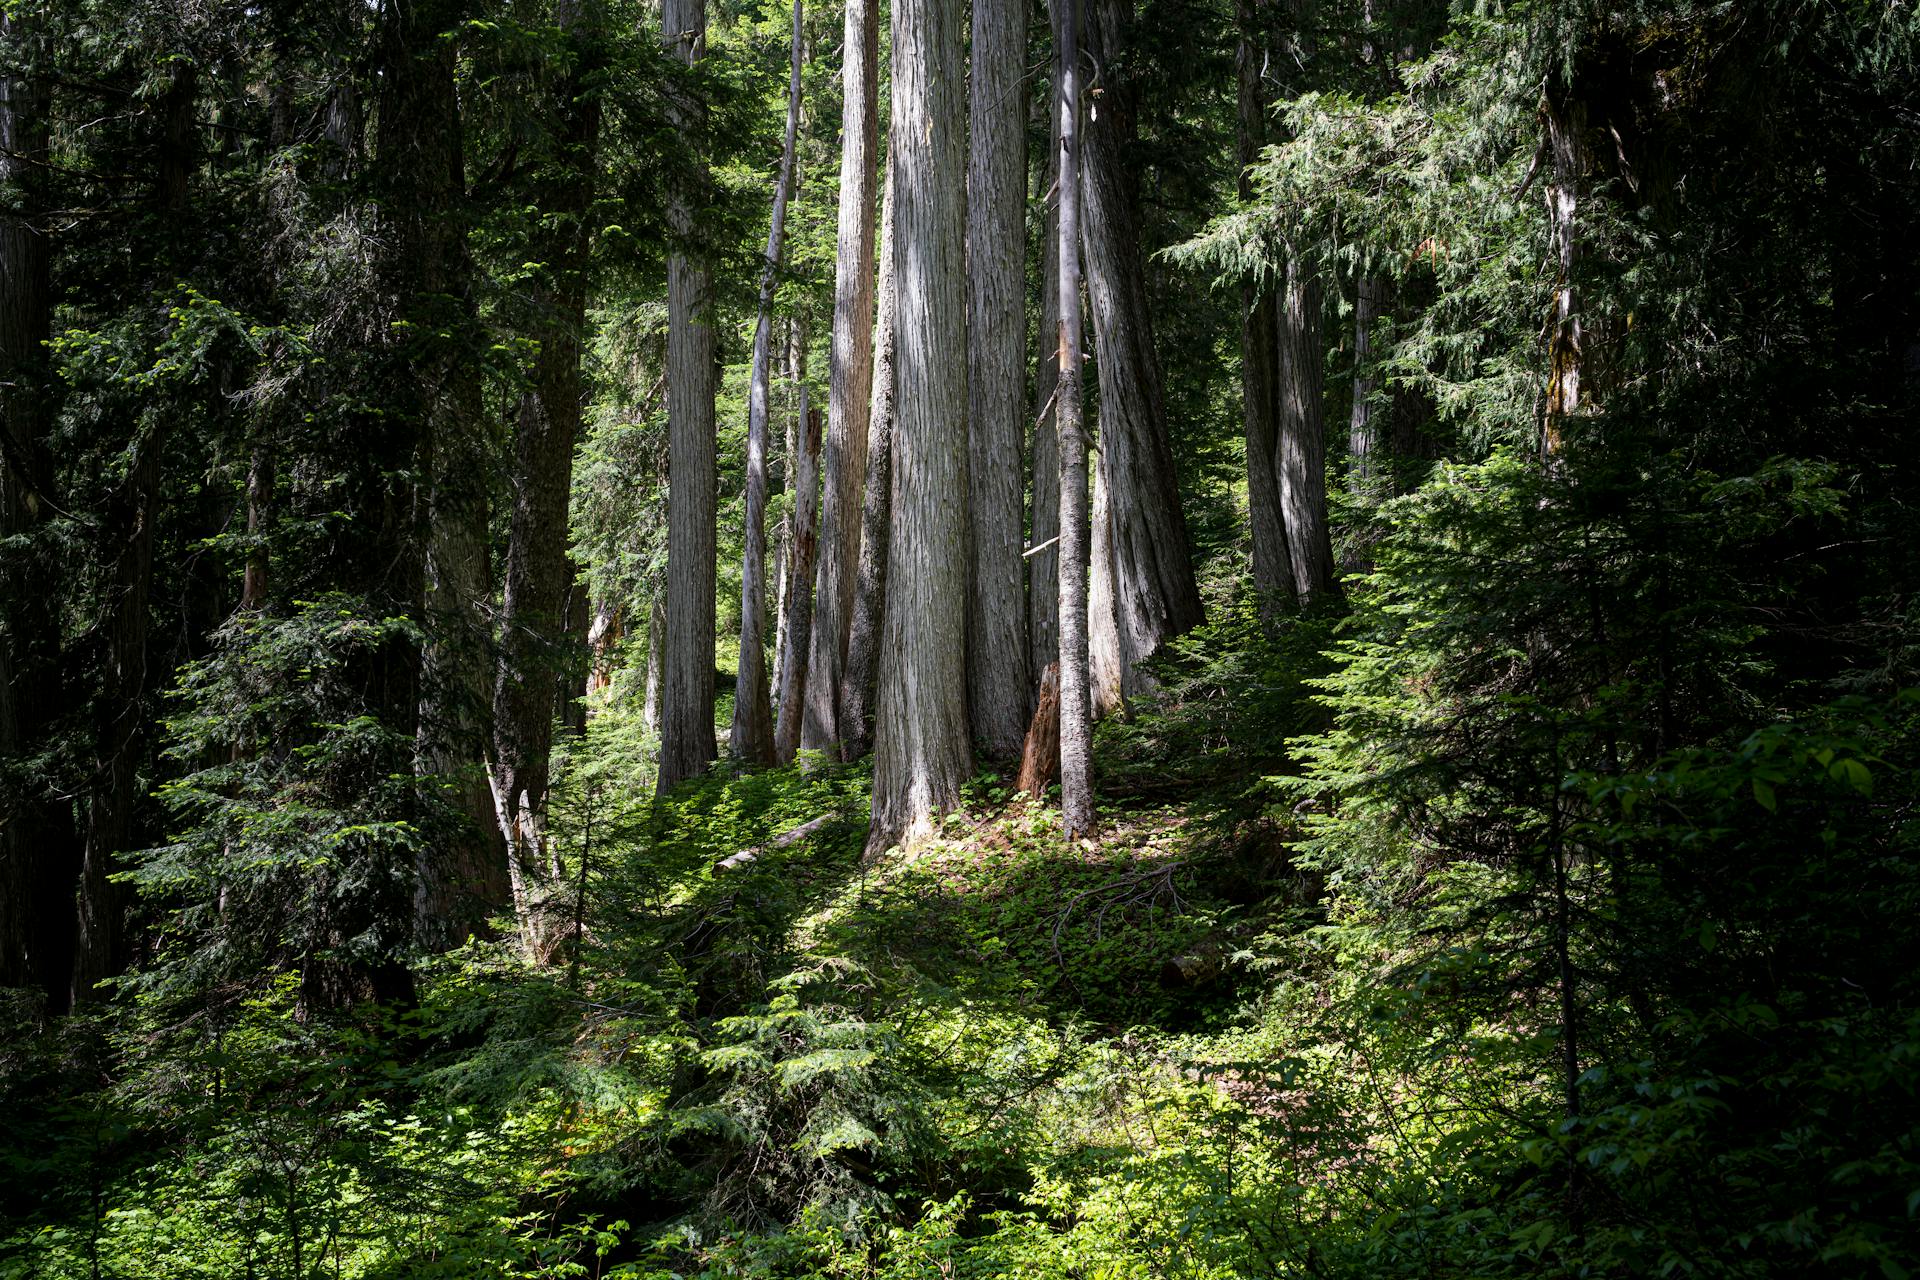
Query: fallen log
{"points": [[786, 839]]}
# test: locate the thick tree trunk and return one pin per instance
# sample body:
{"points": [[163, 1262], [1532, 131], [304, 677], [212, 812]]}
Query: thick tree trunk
{"points": [[1155, 596], [37, 853], [686, 703], [999, 692], [1302, 457], [533, 630], [752, 736], [463, 877], [876, 517], [1043, 565], [1076, 710], [1259, 340], [849, 402], [797, 607], [921, 745]]}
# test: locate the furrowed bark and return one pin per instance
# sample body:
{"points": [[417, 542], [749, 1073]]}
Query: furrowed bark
{"points": [[534, 641], [1155, 595], [998, 683], [849, 402], [876, 518], [686, 702], [1043, 567], [921, 754], [462, 876], [792, 676], [1302, 456], [752, 736], [1076, 710], [1259, 338]]}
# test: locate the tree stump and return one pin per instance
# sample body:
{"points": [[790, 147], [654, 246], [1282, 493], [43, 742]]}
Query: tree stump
{"points": [[1040, 756]]}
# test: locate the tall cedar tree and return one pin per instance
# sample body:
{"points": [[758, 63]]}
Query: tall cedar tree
{"points": [[686, 686], [849, 385], [921, 746]]}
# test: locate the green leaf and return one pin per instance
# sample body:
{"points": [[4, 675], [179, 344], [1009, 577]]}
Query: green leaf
{"points": [[1763, 792]]}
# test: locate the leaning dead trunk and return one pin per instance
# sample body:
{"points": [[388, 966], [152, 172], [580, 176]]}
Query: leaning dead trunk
{"points": [[876, 518], [921, 754], [998, 685], [849, 381], [686, 702], [752, 737]]}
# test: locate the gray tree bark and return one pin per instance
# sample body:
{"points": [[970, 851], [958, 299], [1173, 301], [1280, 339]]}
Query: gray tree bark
{"points": [[1259, 342], [999, 683], [1076, 711], [1043, 566], [752, 737], [804, 475], [849, 402], [686, 702], [921, 745], [1155, 596], [534, 643], [1302, 457], [876, 517]]}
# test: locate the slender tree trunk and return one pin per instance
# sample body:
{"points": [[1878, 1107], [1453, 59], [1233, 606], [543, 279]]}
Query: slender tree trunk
{"points": [[533, 629], [656, 664], [686, 703], [1366, 479], [1302, 457], [1076, 710], [576, 628], [999, 685], [876, 517], [1564, 120], [1259, 342], [752, 736], [1043, 566], [921, 745], [803, 552], [37, 853], [1155, 595], [849, 383]]}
